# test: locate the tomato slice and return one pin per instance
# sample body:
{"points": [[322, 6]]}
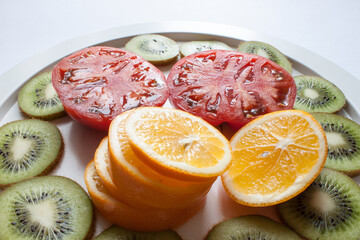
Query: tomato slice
{"points": [[232, 87], [98, 83]]}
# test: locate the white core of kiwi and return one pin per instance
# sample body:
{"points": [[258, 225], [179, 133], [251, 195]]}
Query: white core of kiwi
{"points": [[50, 91], [335, 139], [43, 213], [322, 201], [311, 93], [20, 148]]}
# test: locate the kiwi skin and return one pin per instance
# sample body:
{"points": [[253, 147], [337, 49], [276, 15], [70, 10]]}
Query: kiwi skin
{"points": [[45, 118], [46, 170], [352, 173]]}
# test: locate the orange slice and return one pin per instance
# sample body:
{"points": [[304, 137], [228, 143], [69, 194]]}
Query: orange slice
{"points": [[130, 217], [275, 157], [177, 144], [143, 186], [102, 165]]}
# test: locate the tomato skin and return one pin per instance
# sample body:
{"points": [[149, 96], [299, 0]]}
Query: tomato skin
{"points": [[230, 87], [96, 84]]}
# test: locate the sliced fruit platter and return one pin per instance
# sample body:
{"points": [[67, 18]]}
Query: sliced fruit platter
{"points": [[179, 136]]}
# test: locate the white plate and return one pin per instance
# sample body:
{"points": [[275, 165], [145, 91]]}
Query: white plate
{"points": [[81, 142]]}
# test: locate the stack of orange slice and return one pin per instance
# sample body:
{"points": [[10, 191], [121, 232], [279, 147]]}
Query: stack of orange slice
{"points": [[155, 168]]}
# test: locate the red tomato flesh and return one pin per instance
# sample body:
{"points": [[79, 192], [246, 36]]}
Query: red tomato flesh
{"points": [[98, 83], [233, 87]]}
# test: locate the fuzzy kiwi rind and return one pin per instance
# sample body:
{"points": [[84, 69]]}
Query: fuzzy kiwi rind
{"points": [[157, 49], [343, 137], [192, 47], [266, 50], [250, 227], [120, 233], [328, 209], [316, 94], [45, 148], [48, 199], [38, 99]]}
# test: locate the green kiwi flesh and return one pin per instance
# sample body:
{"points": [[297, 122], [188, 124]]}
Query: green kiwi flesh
{"points": [[28, 148], [38, 99], [119, 233], [192, 47], [328, 209], [45, 208], [250, 227], [154, 48], [266, 50], [315, 94], [343, 137]]}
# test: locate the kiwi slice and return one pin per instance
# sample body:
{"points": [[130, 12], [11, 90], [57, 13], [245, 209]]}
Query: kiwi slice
{"points": [[328, 209], [28, 148], [189, 48], [38, 99], [154, 48], [266, 50], [343, 137], [250, 227], [316, 94], [49, 207], [119, 233]]}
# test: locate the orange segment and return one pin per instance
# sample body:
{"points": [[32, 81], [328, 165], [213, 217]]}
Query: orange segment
{"points": [[177, 144], [143, 186], [275, 157], [132, 217]]}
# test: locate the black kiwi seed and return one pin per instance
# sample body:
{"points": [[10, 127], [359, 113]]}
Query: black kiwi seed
{"points": [[115, 232], [343, 137], [154, 48], [28, 148], [38, 99], [189, 48], [266, 50], [250, 227], [32, 210], [328, 209], [315, 94]]}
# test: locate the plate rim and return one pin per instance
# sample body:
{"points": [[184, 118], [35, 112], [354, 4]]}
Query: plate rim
{"points": [[15, 77]]}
